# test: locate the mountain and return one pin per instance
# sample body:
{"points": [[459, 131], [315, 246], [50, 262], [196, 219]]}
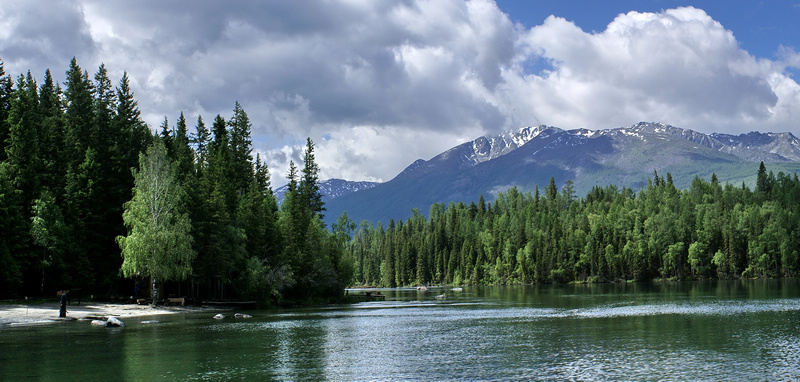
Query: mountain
{"points": [[625, 157], [331, 189]]}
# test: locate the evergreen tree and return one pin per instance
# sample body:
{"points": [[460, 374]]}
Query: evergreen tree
{"points": [[80, 128], [182, 152], [309, 192], [166, 136], [241, 148], [219, 171], [6, 92], [133, 134], [22, 150], [200, 140], [13, 234], [52, 149]]}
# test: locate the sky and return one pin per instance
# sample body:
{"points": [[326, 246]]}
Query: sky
{"points": [[379, 84]]}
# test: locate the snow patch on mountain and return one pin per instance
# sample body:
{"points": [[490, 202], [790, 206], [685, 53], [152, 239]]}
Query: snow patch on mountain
{"points": [[331, 188]]}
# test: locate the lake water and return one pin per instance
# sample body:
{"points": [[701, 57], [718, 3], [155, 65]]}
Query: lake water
{"points": [[736, 330]]}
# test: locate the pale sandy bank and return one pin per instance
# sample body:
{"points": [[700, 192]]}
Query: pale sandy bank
{"points": [[20, 314]]}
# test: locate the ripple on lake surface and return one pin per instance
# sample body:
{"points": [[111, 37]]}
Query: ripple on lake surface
{"points": [[737, 331]]}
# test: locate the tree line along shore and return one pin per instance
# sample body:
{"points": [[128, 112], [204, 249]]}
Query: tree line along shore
{"points": [[706, 231], [90, 198]]}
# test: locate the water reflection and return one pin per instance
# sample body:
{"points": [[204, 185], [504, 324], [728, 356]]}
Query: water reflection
{"points": [[678, 331]]}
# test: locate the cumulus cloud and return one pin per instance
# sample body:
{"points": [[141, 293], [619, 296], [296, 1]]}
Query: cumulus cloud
{"points": [[678, 66], [38, 35], [379, 84]]}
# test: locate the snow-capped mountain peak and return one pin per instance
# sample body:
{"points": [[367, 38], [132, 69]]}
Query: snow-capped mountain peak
{"points": [[331, 188]]}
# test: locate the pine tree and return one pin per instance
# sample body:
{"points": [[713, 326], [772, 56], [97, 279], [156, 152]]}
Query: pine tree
{"points": [[182, 151], [14, 238], [200, 140], [309, 191], [80, 127], [167, 135], [241, 148], [763, 183], [23, 151], [219, 172], [52, 149], [6, 92], [134, 135]]}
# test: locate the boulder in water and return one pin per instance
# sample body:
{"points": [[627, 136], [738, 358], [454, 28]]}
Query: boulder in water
{"points": [[242, 315], [219, 316], [114, 322]]}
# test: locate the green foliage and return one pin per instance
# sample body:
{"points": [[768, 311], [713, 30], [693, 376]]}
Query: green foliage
{"points": [[48, 231], [707, 230], [13, 233], [158, 244], [66, 161], [65, 173]]}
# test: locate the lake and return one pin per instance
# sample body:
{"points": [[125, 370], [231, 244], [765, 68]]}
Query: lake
{"points": [[726, 330]]}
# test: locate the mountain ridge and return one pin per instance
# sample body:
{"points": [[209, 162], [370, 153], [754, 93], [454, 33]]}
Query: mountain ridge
{"points": [[528, 157], [330, 188]]}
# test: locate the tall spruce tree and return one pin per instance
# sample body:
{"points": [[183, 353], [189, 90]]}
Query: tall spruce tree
{"points": [[24, 139], [241, 148], [6, 91], [309, 191], [200, 140], [14, 238], [133, 134], [80, 128], [52, 134]]}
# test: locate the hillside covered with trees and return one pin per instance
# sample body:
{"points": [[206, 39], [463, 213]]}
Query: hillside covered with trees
{"points": [[709, 230], [91, 199]]}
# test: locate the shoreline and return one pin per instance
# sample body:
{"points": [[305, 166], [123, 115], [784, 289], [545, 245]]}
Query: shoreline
{"points": [[25, 314]]}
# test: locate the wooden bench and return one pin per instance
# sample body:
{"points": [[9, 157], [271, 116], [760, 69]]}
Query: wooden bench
{"points": [[175, 300]]}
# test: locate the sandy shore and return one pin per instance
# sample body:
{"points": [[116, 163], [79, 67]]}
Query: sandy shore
{"points": [[20, 314]]}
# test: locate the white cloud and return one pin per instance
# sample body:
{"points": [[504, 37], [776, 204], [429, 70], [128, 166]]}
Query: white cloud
{"points": [[678, 66], [379, 84]]}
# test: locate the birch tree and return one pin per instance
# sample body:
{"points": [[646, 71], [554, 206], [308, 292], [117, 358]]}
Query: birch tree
{"points": [[159, 242]]}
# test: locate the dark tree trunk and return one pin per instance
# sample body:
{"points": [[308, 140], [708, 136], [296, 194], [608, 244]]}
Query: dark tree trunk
{"points": [[154, 292]]}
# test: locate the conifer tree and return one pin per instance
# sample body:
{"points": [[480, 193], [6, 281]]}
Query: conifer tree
{"points": [[134, 135], [6, 91], [309, 191], [23, 143], [14, 236], [200, 140], [80, 127], [182, 151], [241, 148], [51, 139]]}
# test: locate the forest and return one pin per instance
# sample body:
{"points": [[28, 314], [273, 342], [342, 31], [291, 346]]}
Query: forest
{"points": [[92, 199], [709, 230]]}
